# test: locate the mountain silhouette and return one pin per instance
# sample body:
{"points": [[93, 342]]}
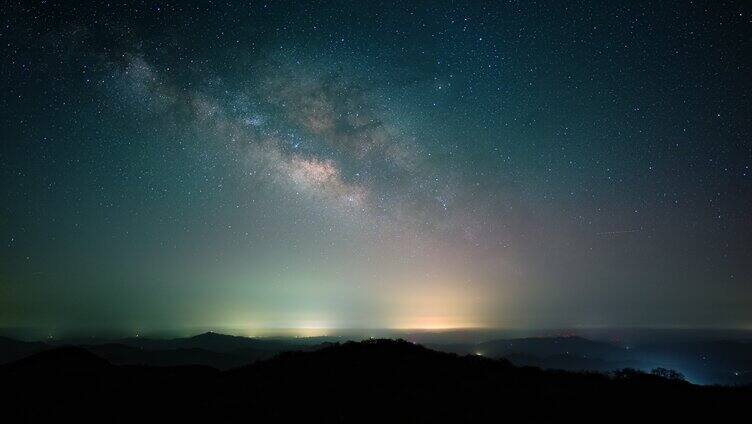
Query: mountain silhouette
{"points": [[211, 341], [125, 355], [374, 380], [64, 361], [211, 349], [550, 346], [12, 350]]}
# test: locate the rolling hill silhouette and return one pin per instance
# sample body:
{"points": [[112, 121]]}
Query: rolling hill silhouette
{"points": [[12, 350], [125, 355], [727, 362], [211, 341], [64, 360], [383, 380], [550, 346], [211, 349], [564, 353]]}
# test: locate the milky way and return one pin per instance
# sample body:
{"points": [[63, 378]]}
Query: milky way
{"points": [[316, 166]]}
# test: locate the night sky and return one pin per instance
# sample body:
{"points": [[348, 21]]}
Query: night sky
{"points": [[327, 165]]}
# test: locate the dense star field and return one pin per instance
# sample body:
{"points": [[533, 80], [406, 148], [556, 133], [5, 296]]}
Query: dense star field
{"points": [[316, 166]]}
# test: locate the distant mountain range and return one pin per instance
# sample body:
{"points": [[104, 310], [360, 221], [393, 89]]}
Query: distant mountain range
{"points": [[374, 380], [220, 351], [550, 346], [705, 362], [12, 350]]}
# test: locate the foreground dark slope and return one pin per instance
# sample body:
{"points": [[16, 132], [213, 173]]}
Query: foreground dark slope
{"points": [[385, 380]]}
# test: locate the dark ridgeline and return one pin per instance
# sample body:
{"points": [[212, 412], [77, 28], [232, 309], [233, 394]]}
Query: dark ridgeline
{"points": [[11, 350], [704, 361], [216, 350], [385, 380]]}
